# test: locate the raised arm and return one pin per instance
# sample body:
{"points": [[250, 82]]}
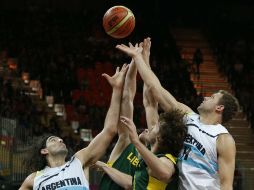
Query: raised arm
{"points": [[164, 98], [160, 168], [150, 104], [100, 143], [122, 179], [127, 108], [151, 108], [226, 159]]}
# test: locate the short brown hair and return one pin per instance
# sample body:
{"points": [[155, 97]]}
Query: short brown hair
{"points": [[231, 105], [172, 132]]}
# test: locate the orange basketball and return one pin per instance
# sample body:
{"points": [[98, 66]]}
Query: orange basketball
{"points": [[118, 22]]}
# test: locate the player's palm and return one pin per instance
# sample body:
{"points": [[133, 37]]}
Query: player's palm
{"points": [[130, 50], [117, 80]]}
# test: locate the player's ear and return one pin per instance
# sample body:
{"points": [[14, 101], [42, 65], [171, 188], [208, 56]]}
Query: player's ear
{"points": [[44, 151], [219, 108], [158, 138]]}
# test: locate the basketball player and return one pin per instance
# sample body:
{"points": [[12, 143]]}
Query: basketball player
{"points": [[53, 172], [124, 155], [156, 167], [208, 158]]}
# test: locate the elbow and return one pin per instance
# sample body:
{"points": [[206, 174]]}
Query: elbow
{"points": [[127, 186], [127, 183], [155, 91], [153, 87], [110, 132], [164, 176], [226, 185]]}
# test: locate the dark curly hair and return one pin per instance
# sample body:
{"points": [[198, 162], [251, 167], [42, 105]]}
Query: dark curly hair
{"points": [[231, 105], [172, 131], [36, 161]]}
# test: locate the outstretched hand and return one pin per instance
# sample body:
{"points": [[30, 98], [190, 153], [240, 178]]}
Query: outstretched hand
{"points": [[130, 50], [117, 80], [146, 44], [131, 127]]}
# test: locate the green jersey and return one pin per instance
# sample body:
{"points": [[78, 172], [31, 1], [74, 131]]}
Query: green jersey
{"points": [[142, 180], [126, 163]]}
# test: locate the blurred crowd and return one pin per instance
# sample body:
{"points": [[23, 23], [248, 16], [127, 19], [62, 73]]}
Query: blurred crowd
{"points": [[68, 55], [234, 49], [68, 52]]}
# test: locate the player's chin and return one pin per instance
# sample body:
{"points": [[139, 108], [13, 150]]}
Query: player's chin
{"points": [[143, 136]]}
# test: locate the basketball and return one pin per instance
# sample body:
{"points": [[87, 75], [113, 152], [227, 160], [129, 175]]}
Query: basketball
{"points": [[118, 22]]}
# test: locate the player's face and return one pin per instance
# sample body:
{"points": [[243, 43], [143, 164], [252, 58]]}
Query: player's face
{"points": [[55, 146], [143, 137], [153, 134], [209, 104]]}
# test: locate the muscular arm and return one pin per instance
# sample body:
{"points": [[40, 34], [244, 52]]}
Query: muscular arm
{"points": [[162, 96], [28, 183], [151, 108], [226, 159], [127, 108], [160, 168], [118, 177], [99, 144], [150, 104]]}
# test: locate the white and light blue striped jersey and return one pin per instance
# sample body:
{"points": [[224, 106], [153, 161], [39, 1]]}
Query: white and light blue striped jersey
{"points": [[70, 176], [197, 163]]}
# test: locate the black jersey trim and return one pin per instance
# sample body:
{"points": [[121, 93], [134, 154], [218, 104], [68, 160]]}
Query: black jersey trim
{"points": [[56, 173]]}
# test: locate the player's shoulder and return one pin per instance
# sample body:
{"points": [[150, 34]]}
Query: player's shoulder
{"points": [[191, 116], [28, 182], [32, 176], [225, 138]]}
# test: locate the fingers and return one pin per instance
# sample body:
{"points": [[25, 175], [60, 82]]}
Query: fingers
{"points": [[148, 39], [130, 45], [121, 46], [117, 69], [124, 68], [125, 121], [147, 43], [106, 76]]}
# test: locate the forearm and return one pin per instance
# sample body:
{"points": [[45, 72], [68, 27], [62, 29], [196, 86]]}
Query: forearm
{"points": [[112, 116], [158, 168], [152, 116], [129, 91], [100, 143], [118, 177], [145, 72], [130, 79], [161, 95], [151, 108]]}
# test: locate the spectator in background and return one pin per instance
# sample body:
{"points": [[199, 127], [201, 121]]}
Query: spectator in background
{"points": [[197, 60]]}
